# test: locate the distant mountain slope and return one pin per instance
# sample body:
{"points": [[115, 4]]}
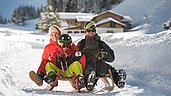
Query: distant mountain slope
{"points": [[7, 6], [154, 12]]}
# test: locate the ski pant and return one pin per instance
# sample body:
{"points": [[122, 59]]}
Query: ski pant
{"points": [[41, 68], [74, 67], [101, 68]]}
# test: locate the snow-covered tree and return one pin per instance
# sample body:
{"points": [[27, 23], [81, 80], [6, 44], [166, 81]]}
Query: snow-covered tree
{"points": [[23, 13], [93, 6], [90, 6], [48, 17], [3, 20], [80, 5]]}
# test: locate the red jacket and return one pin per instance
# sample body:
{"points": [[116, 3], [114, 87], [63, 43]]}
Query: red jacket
{"points": [[48, 51], [70, 53]]}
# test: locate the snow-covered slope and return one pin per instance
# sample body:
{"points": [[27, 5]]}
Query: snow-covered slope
{"points": [[146, 59], [9, 50], [154, 12]]}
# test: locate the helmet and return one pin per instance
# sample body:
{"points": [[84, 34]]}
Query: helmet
{"points": [[90, 24], [65, 38]]}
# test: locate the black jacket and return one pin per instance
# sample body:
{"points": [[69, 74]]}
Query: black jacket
{"points": [[91, 46]]}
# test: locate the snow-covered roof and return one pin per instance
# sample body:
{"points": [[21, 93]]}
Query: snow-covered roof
{"points": [[111, 11], [127, 18], [64, 24], [109, 19], [72, 15], [84, 18]]}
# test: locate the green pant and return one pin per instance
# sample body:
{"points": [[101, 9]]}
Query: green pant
{"points": [[74, 67]]}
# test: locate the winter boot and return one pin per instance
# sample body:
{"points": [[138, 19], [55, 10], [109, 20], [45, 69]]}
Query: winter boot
{"points": [[37, 77], [81, 81], [91, 80], [122, 78], [51, 79]]}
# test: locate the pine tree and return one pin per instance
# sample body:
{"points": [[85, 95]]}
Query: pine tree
{"points": [[48, 17]]}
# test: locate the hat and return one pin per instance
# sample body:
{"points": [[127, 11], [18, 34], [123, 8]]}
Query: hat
{"points": [[54, 28], [90, 24]]}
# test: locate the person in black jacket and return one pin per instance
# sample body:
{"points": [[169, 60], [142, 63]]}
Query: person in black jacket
{"points": [[97, 52]]}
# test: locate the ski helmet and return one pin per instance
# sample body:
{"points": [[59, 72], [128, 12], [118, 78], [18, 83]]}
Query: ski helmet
{"points": [[90, 24], [65, 38]]}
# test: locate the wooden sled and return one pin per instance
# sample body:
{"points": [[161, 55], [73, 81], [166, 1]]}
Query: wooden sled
{"points": [[108, 86], [73, 80]]}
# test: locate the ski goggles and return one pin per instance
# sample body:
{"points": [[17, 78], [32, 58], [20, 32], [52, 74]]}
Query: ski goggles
{"points": [[65, 45], [91, 30]]}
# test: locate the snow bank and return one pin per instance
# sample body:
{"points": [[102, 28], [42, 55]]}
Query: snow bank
{"points": [[8, 49], [144, 51]]}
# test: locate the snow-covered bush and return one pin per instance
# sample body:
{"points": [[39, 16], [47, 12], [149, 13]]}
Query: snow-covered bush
{"points": [[167, 25]]}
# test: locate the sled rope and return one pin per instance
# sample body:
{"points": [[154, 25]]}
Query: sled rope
{"points": [[62, 66], [67, 68]]}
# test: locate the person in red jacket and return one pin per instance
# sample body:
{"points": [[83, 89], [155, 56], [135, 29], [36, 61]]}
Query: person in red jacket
{"points": [[54, 34], [66, 61]]}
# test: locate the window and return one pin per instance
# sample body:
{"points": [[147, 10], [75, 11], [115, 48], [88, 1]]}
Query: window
{"points": [[76, 31], [69, 31], [82, 31], [112, 24], [110, 31]]}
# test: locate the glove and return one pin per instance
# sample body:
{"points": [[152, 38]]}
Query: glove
{"points": [[61, 57], [63, 54], [101, 55], [78, 55]]}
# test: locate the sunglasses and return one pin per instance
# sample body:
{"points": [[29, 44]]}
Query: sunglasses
{"points": [[91, 30], [65, 45]]}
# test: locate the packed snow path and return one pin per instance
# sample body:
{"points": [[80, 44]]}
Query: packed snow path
{"points": [[145, 58]]}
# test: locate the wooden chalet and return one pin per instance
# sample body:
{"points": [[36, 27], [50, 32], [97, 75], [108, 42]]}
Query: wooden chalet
{"points": [[107, 22]]}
